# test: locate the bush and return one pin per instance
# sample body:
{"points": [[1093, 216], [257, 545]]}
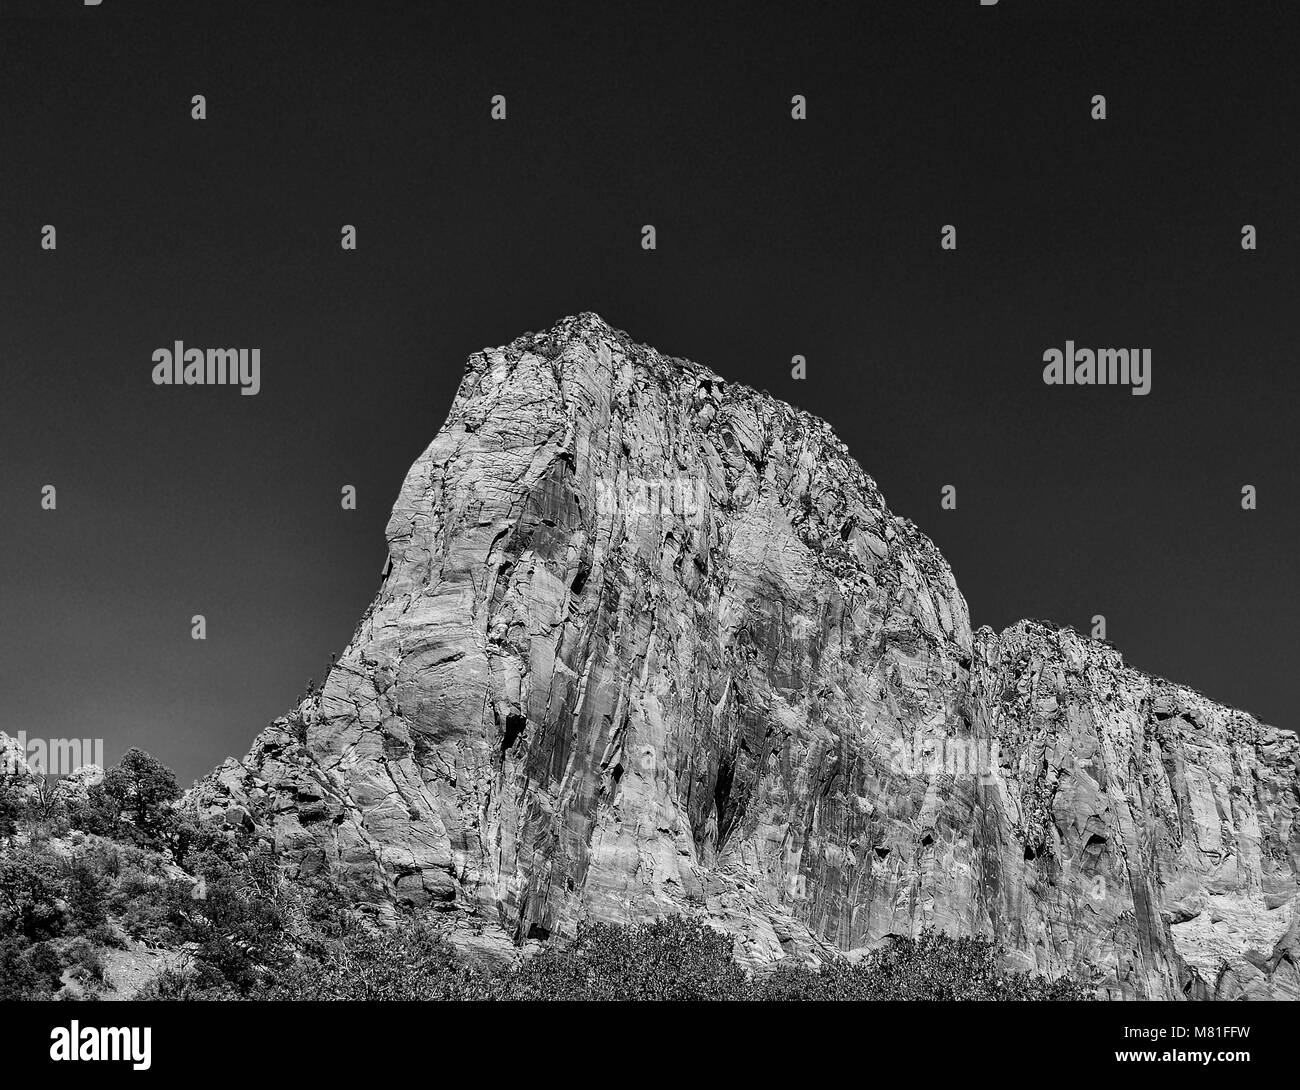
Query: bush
{"points": [[141, 898], [934, 967], [191, 837], [199, 984], [149, 922], [86, 962], [86, 895], [943, 967], [31, 889], [234, 917], [167, 985], [104, 856], [105, 934], [409, 963], [671, 959], [17, 978], [33, 972]]}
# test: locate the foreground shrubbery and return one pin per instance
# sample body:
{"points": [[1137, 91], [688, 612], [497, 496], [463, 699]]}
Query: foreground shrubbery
{"points": [[674, 958], [85, 874], [671, 959], [934, 967]]}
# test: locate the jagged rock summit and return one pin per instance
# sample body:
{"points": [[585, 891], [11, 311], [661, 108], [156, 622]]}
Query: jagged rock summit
{"points": [[650, 641]]}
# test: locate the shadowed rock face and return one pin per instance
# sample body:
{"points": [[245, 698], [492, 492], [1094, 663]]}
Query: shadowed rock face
{"points": [[650, 641]]}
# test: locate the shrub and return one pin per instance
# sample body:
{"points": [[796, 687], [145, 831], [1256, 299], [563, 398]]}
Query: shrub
{"points": [[86, 895], [17, 978], [141, 899], [409, 963], [933, 967], [671, 959], [87, 963], [104, 856], [31, 888], [233, 915], [937, 966], [149, 921], [105, 934], [199, 984], [33, 972]]}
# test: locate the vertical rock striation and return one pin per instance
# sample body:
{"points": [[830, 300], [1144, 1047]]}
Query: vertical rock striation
{"points": [[650, 641]]}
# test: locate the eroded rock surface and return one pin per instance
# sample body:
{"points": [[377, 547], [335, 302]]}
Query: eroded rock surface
{"points": [[651, 641]]}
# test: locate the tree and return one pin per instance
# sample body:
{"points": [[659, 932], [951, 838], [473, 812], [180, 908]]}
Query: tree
{"points": [[30, 890], [143, 788], [97, 813]]}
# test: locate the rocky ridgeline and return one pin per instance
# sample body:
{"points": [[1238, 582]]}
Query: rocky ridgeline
{"points": [[650, 642], [35, 788]]}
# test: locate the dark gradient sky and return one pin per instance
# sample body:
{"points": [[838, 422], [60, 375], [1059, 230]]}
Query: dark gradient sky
{"points": [[775, 238]]}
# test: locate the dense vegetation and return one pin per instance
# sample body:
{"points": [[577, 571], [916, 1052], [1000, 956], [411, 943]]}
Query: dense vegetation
{"points": [[88, 872]]}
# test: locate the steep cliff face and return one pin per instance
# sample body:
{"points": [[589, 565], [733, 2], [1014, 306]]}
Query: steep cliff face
{"points": [[650, 641]]}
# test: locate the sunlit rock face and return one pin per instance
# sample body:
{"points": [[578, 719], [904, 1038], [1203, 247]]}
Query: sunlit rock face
{"points": [[650, 641]]}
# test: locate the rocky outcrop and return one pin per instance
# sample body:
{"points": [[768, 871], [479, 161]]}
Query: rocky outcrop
{"points": [[649, 641]]}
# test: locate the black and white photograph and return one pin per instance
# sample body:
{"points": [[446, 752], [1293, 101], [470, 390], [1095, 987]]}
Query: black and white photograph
{"points": [[614, 520]]}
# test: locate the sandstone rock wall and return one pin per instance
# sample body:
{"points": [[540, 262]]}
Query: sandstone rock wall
{"points": [[651, 641]]}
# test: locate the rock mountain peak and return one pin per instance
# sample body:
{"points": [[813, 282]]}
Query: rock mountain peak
{"points": [[650, 642]]}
